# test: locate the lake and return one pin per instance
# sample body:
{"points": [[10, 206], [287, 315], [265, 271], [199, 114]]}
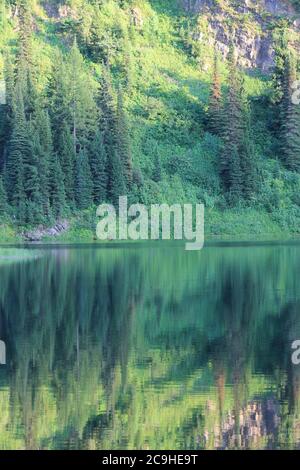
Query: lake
{"points": [[150, 347]]}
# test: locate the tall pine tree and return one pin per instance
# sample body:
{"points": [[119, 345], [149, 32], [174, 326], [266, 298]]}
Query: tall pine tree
{"points": [[233, 134], [56, 188], [3, 198], [98, 165], [83, 181], [215, 101], [291, 119], [19, 145], [116, 182], [123, 141], [65, 148]]}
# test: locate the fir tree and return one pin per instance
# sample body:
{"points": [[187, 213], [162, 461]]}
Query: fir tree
{"points": [[108, 115], [109, 128], [233, 132], [291, 121], [6, 110], [9, 76], [235, 176], [59, 99], [278, 98], [67, 159], [278, 77], [25, 30], [83, 181], [19, 144], [56, 188], [18, 196], [83, 106], [34, 205], [123, 141], [116, 183], [43, 173], [215, 102], [98, 164], [248, 159], [3, 198]]}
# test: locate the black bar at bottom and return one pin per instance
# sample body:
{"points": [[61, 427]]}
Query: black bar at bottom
{"points": [[135, 459]]}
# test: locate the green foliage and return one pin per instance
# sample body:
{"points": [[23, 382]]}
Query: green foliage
{"points": [[130, 92], [67, 154], [3, 199], [98, 165], [83, 181], [290, 120], [123, 141], [116, 181], [56, 188]]}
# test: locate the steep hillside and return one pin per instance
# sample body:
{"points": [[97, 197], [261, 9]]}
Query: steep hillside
{"points": [[250, 25], [162, 55]]}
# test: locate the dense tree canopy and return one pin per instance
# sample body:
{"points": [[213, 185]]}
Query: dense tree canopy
{"points": [[99, 114]]}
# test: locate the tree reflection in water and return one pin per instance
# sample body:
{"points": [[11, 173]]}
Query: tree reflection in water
{"points": [[154, 348]]}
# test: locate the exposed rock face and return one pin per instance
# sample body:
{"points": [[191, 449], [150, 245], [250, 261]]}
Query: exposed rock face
{"points": [[39, 233], [246, 23], [276, 7]]}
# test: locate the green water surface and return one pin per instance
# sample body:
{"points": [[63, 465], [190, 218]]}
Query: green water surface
{"points": [[150, 347]]}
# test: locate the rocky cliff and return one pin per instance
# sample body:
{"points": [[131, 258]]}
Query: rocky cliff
{"points": [[249, 24]]}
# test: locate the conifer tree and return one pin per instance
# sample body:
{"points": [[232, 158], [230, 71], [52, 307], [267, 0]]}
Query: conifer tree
{"points": [[215, 101], [83, 181], [65, 147], [83, 106], [291, 122], [109, 128], [98, 164], [238, 165], [9, 77], [249, 167], [123, 141], [25, 69], [42, 159], [6, 109], [235, 176], [3, 198], [18, 197], [30, 168], [116, 182], [56, 188], [34, 204], [25, 30], [108, 115], [278, 77], [59, 99], [278, 96], [233, 131], [19, 144]]}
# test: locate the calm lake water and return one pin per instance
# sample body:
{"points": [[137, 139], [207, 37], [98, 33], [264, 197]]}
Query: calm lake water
{"points": [[150, 347]]}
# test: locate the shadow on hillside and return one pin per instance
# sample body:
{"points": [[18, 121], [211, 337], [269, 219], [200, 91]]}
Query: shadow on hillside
{"points": [[169, 7], [174, 115]]}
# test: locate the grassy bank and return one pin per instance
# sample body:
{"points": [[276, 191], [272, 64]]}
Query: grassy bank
{"points": [[234, 224]]}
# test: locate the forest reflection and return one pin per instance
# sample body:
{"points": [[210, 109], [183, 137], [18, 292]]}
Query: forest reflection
{"points": [[151, 348]]}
